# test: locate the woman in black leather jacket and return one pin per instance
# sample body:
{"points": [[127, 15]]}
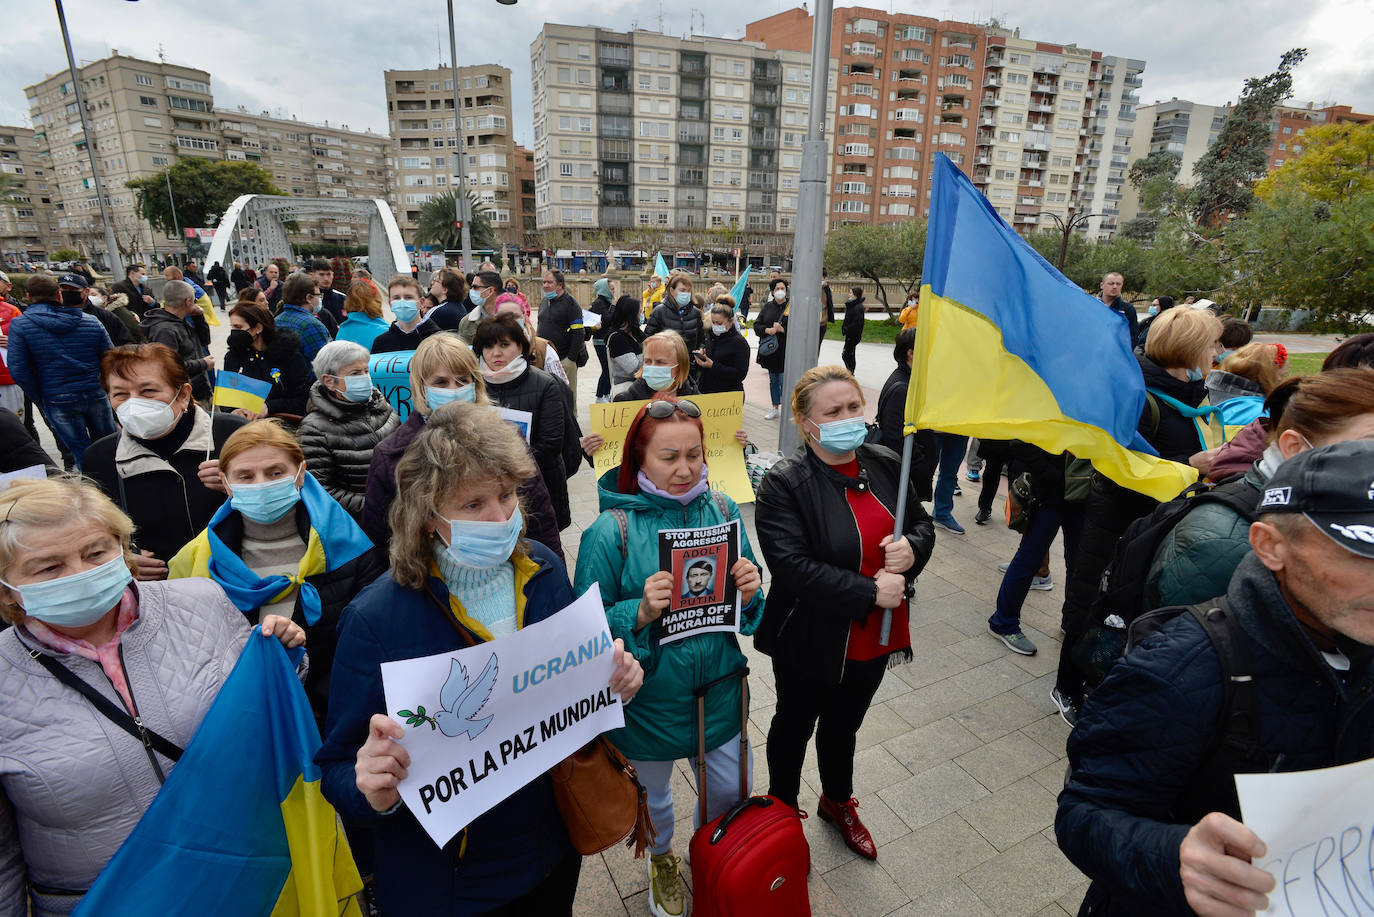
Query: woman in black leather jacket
{"points": [[825, 520]]}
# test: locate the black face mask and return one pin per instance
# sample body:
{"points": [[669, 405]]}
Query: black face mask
{"points": [[240, 339], [72, 297]]}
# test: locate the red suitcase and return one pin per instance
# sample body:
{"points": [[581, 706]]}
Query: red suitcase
{"points": [[753, 860]]}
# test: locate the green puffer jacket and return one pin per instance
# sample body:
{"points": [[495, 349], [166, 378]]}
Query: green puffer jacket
{"points": [[1194, 562], [660, 724]]}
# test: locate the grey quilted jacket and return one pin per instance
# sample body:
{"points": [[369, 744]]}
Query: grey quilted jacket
{"points": [[338, 438], [72, 783]]}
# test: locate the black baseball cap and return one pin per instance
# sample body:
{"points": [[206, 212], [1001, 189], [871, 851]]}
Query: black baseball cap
{"points": [[1334, 488], [73, 280]]}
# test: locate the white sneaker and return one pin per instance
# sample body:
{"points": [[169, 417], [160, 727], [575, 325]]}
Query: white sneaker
{"points": [[667, 892], [771, 415]]}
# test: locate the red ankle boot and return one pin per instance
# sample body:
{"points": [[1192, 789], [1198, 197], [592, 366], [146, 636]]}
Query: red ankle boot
{"points": [[845, 817]]}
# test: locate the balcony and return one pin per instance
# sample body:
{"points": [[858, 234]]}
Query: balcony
{"points": [[1032, 162], [991, 81], [1032, 183], [763, 180], [984, 138], [994, 60], [1027, 219], [1111, 196], [1047, 88], [692, 64], [767, 71], [613, 103], [982, 160], [691, 177], [1047, 67], [691, 132], [614, 56], [1133, 81], [614, 151], [1042, 108], [987, 120], [692, 89], [911, 74], [764, 96], [991, 99], [616, 216], [1125, 115], [763, 139]]}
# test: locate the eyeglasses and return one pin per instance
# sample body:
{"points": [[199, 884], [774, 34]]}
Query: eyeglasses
{"points": [[662, 410], [314, 292]]}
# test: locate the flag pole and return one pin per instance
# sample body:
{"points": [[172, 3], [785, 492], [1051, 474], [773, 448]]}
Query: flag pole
{"points": [[908, 443]]}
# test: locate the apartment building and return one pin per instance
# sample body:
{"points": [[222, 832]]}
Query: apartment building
{"points": [[424, 138], [1178, 126], [310, 160], [144, 115], [908, 87], [658, 140], [524, 184], [1041, 128], [26, 215]]}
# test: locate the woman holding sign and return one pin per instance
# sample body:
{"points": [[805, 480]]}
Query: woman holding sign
{"points": [[503, 352], [444, 370], [661, 485], [825, 519], [461, 573]]}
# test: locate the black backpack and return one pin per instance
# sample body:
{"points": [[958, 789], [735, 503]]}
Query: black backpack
{"points": [[1122, 589], [1237, 749]]}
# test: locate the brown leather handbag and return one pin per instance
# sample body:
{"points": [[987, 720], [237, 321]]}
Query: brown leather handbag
{"points": [[601, 799]]}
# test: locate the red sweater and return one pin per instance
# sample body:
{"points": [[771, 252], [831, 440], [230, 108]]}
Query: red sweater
{"points": [[875, 523], [8, 313]]}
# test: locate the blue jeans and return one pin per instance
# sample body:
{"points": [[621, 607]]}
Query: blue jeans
{"points": [[775, 388], [951, 448], [722, 789], [1034, 544], [79, 420]]}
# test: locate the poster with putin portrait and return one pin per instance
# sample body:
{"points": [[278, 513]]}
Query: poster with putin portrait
{"points": [[704, 596]]}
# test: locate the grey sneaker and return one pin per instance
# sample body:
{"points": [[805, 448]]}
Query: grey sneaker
{"points": [[1068, 710], [1042, 583], [1017, 642]]}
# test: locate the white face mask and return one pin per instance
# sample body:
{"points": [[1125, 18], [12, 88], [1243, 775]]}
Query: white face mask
{"points": [[780, 294], [95, 300], [146, 418]]}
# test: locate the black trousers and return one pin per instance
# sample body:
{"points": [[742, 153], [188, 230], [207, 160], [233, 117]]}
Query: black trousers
{"points": [[848, 353], [603, 381], [992, 479], [833, 712], [551, 898]]}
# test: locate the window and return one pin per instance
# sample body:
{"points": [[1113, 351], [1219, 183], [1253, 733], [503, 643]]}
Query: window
{"points": [[196, 143], [1010, 136], [147, 100], [565, 169], [142, 80], [188, 85], [159, 160]]}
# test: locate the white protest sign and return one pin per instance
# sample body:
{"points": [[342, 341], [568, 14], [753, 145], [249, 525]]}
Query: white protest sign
{"points": [[1318, 827], [523, 420], [34, 472], [482, 722]]}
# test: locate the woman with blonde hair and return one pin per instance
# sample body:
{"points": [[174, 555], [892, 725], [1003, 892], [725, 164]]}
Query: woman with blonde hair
{"points": [[444, 370], [462, 573], [363, 321], [666, 370], [280, 545], [825, 522], [75, 779], [1241, 382]]}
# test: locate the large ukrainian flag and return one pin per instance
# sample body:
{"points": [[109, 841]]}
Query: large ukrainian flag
{"points": [[1008, 348], [240, 828]]}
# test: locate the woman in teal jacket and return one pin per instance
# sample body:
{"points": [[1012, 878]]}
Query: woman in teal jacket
{"points": [[662, 484]]}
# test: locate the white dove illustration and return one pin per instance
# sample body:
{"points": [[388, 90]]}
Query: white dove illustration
{"points": [[463, 701]]}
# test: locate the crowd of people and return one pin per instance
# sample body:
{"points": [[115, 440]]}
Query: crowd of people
{"points": [[327, 519]]}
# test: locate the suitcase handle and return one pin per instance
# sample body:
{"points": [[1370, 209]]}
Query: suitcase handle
{"points": [[700, 693], [737, 809]]}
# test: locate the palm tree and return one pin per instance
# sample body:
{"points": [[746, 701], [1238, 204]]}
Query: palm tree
{"points": [[436, 227]]}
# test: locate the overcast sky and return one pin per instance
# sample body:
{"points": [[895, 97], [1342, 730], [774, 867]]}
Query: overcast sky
{"points": [[324, 61]]}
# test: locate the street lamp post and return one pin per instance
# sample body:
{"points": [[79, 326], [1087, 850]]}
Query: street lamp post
{"points": [[460, 203], [803, 326], [111, 249]]}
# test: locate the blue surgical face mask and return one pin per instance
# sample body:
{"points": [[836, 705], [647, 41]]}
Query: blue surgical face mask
{"points": [[1194, 374], [718, 330], [264, 503], [438, 397], [480, 545], [550, 294], [1221, 357], [683, 299], [658, 378], [475, 297], [841, 436], [78, 599], [358, 388], [1153, 310], [405, 310]]}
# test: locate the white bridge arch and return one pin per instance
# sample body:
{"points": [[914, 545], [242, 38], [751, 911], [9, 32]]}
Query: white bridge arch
{"points": [[251, 230]]}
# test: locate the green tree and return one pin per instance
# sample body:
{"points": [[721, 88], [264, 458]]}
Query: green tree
{"points": [[1239, 157], [435, 226], [1337, 163], [1295, 252], [201, 189], [1155, 179], [868, 251]]}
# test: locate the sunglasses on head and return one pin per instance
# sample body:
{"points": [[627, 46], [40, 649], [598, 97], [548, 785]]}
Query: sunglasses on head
{"points": [[661, 410]]}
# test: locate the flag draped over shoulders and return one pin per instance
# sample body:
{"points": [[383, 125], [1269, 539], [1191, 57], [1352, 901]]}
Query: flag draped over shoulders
{"points": [[1008, 348], [240, 828]]}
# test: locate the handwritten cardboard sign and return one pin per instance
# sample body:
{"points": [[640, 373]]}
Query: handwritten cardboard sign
{"points": [[721, 415], [1318, 827], [482, 722], [390, 373]]}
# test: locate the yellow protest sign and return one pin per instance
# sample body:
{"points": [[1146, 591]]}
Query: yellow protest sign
{"points": [[721, 415]]}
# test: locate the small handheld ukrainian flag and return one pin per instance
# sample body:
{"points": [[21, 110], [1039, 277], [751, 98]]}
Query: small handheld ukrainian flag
{"points": [[1009, 348], [235, 390], [660, 266], [240, 828]]}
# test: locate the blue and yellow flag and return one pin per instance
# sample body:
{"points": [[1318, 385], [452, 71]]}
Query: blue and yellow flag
{"points": [[235, 390], [240, 828], [1009, 348]]}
